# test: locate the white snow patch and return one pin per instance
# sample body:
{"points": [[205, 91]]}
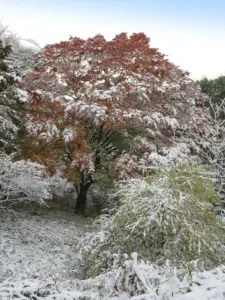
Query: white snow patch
{"points": [[177, 154], [22, 94]]}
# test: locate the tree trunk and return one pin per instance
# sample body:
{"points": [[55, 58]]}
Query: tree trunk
{"points": [[82, 194]]}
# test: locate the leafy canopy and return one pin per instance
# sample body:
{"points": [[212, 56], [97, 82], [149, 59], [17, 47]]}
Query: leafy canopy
{"points": [[105, 105]]}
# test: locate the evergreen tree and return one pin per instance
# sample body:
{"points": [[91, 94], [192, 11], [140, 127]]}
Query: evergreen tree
{"points": [[13, 66], [214, 88]]}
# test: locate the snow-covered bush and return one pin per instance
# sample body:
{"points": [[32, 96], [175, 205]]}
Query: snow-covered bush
{"points": [[21, 181], [170, 215]]}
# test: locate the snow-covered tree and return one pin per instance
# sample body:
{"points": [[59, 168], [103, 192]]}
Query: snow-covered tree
{"points": [[105, 106], [14, 61], [19, 180]]}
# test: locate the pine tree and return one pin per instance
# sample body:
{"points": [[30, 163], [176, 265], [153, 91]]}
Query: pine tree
{"points": [[12, 97]]}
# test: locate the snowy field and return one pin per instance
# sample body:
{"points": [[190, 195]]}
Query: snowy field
{"points": [[39, 246], [35, 253], [37, 262]]}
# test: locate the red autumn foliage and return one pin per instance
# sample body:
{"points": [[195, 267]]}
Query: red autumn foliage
{"points": [[92, 98]]}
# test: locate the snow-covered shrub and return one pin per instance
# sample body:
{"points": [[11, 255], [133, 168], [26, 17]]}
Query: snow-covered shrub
{"points": [[170, 215], [21, 181]]}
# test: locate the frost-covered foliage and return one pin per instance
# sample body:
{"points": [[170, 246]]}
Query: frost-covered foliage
{"points": [[105, 106], [137, 280], [11, 118], [170, 215], [110, 99], [170, 157], [158, 283], [14, 62], [21, 60], [210, 147], [21, 181]]}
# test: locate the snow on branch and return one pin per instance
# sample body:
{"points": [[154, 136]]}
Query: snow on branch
{"points": [[211, 145], [170, 215]]}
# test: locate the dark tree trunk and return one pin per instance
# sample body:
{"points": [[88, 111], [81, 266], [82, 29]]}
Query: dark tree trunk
{"points": [[82, 194]]}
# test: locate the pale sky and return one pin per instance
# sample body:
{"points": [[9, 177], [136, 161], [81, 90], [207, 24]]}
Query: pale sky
{"points": [[190, 32]]}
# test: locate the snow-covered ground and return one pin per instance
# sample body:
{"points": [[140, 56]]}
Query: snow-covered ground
{"points": [[38, 246], [37, 262]]}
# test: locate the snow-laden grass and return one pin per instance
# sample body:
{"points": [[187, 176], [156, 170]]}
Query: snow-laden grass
{"points": [[37, 262], [38, 246]]}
